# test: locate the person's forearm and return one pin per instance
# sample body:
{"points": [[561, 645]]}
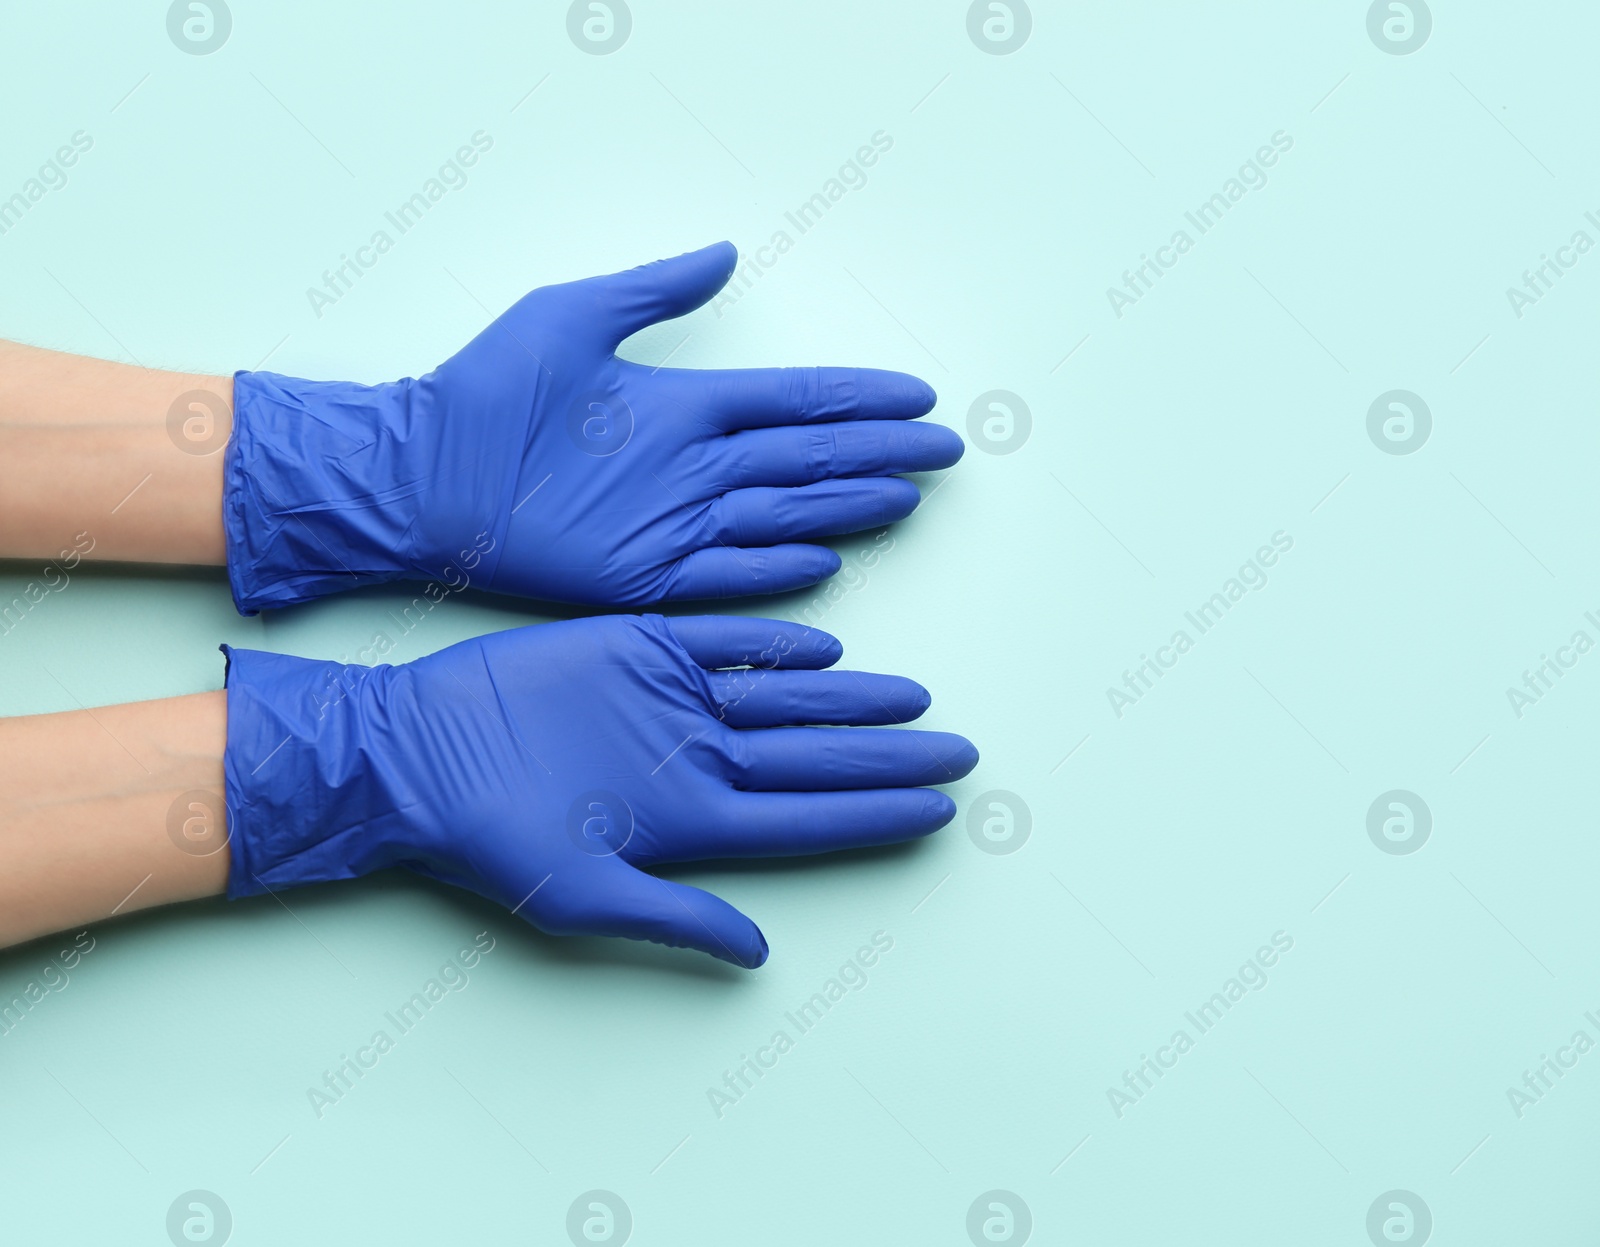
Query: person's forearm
{"points": [[109, 460], [110, 810]]}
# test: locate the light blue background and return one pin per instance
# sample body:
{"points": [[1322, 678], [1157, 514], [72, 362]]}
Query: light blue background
{"points": [[1228, 804]]}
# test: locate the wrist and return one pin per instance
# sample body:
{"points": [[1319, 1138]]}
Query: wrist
{"points": [[312, 794], [322, 487], [331, 484]]}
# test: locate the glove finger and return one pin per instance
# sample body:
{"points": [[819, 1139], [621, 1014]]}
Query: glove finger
{"points": [[661, 290], [760, 398], [818, 759], [639, 906], [801, 456], [763, 516], [725, 572], [763, 698], [792, 824], [734, 641]]}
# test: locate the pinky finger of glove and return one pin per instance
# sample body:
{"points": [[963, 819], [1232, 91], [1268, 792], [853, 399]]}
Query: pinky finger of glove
{"points": [[639, 906], [725, 572]]}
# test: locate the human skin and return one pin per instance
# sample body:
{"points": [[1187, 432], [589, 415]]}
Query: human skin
{"points": [[85, 795], [98, 814], [95, 458]]}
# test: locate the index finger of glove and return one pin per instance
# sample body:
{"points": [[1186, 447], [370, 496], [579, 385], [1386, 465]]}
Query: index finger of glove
{"points": [[716, 641]]}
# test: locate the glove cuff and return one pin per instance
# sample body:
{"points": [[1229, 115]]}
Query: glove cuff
{"points": [[312, 791], [323, 482]]}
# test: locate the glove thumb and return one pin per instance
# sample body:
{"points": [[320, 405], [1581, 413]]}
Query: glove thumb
{"points": [[661, 290], [640, 906]]}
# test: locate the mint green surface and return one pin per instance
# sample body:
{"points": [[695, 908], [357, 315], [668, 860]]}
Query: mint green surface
{"points": [[1227, 404]]}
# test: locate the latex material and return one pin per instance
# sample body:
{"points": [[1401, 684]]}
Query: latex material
{"points": [[543, 767], [536, 462]]}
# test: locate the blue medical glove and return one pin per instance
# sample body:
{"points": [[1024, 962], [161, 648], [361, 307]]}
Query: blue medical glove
{"points": [[545, 767], [536, 462]]}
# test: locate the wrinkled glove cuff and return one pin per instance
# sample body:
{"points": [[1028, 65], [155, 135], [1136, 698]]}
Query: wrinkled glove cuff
{"points": [[313, 792], [322, 487]]}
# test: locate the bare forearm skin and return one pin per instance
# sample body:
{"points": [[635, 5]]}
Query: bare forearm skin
{"points": [[119, 808], [110, 810], [123, 460]]}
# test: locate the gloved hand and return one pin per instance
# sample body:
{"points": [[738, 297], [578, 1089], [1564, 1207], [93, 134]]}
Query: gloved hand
{"points": [[536, 462], [542, 767]]}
